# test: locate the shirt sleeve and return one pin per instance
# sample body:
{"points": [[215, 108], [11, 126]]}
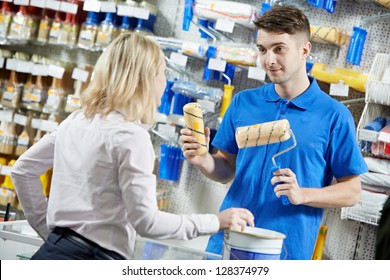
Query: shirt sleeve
{"points": [[25, 176], [225, 138], [138, 187], [344, 154]]}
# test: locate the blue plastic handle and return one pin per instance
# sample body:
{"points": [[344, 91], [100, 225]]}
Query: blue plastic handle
{"points": [[356, 45], [284, 198]]}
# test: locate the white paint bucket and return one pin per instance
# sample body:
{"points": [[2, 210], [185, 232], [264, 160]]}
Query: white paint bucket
{"points": [[252, 244]]}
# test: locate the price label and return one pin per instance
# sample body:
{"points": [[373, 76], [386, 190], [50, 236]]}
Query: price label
{"points": [[38, 3], [141, 13], [368, 135], [6, 170], [92, 6], [10, 1], [11, 64], [130, 11], [6, 116], [69, 7], [53, 5], [22, 2], [217, 64], [20, 119], [48, 126], [207, 106], [108, 7], [56, 71], [225, 25], [2, 62], [339, 89], [256, 73], [384, 137], [167, 130], [24, 66], [40, 70], [36, 123], [80, 75], [179, 59]]}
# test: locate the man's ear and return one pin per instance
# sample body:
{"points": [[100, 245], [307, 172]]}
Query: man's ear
{"points": [[306, 49]]}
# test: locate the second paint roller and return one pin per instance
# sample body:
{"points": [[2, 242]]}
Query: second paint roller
{"points": [[264, 134], [193, 118]]}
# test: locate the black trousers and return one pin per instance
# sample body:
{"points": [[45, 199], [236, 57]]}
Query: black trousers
{"points": [[383, 234], [65, 244]]}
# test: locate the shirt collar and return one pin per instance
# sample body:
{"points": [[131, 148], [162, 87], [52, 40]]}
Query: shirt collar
{"points": [[303, 101]]}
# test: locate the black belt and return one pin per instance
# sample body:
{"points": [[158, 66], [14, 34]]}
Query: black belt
{"points": [[88, 244]]}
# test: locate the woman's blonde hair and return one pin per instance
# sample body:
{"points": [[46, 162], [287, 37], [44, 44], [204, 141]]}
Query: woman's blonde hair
{"points": [[123, 79]]}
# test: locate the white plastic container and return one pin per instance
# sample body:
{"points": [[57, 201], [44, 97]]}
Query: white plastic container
{"points": [[252, 244]]}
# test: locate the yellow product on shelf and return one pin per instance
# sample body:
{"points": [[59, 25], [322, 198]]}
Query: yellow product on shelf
{"points": [[227, 97], [328, 34], [3, 161], [7, 184], [46, 181], [325, 73], [320, 243], [384, 3]]}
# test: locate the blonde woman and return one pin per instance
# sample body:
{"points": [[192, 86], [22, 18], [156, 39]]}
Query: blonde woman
{"points": [[103, 188]]}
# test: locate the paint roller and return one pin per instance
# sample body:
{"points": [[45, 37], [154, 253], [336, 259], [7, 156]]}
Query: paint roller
{"points": [[264, 134], [193, 118]]}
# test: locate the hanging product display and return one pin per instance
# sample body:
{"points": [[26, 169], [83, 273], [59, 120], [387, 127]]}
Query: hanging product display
{"points": [[12, 92], [106, 31], [88, 32], [328, 34], [5, 21], [73, 102], [330, 74], [44, 27]]}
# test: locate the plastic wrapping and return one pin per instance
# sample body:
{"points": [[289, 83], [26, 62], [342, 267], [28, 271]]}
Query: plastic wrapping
{"points": [[197, 91], [241, 13]]}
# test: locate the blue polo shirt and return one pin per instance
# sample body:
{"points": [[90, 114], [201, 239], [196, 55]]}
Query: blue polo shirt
{"points": [[326, 148]]}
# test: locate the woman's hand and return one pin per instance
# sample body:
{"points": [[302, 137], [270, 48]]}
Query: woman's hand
{"points": [[235, 219]]}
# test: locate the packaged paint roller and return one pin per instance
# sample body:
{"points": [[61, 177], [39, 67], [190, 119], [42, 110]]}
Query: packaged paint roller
{"points": [[193, 49], [23, 141], [73, 102], [197, 91], [5, 21], [106, 32], [193, 117], [384, 3], [12, 91], [240, 13], [326, 73], [27, 92], [237, 54], [264, 134], [328, 34]]}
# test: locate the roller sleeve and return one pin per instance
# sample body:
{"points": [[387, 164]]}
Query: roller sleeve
{"points": [[263, 134], [193, 118]]}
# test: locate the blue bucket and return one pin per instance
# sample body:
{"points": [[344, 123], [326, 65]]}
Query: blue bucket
{"points": [[252, 244]]}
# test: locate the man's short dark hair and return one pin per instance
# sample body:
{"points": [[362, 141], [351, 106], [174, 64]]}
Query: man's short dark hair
{"points": [[284, 19]]}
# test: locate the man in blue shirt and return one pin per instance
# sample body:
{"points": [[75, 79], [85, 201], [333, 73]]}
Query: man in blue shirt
{"points": [[325, 134]]}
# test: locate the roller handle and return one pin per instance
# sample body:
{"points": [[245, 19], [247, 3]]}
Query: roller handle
{"points": [[284, 198]]}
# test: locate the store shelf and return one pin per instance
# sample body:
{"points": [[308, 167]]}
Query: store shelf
{"points": [[378, 85], [56, 52], [367, 210]]}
